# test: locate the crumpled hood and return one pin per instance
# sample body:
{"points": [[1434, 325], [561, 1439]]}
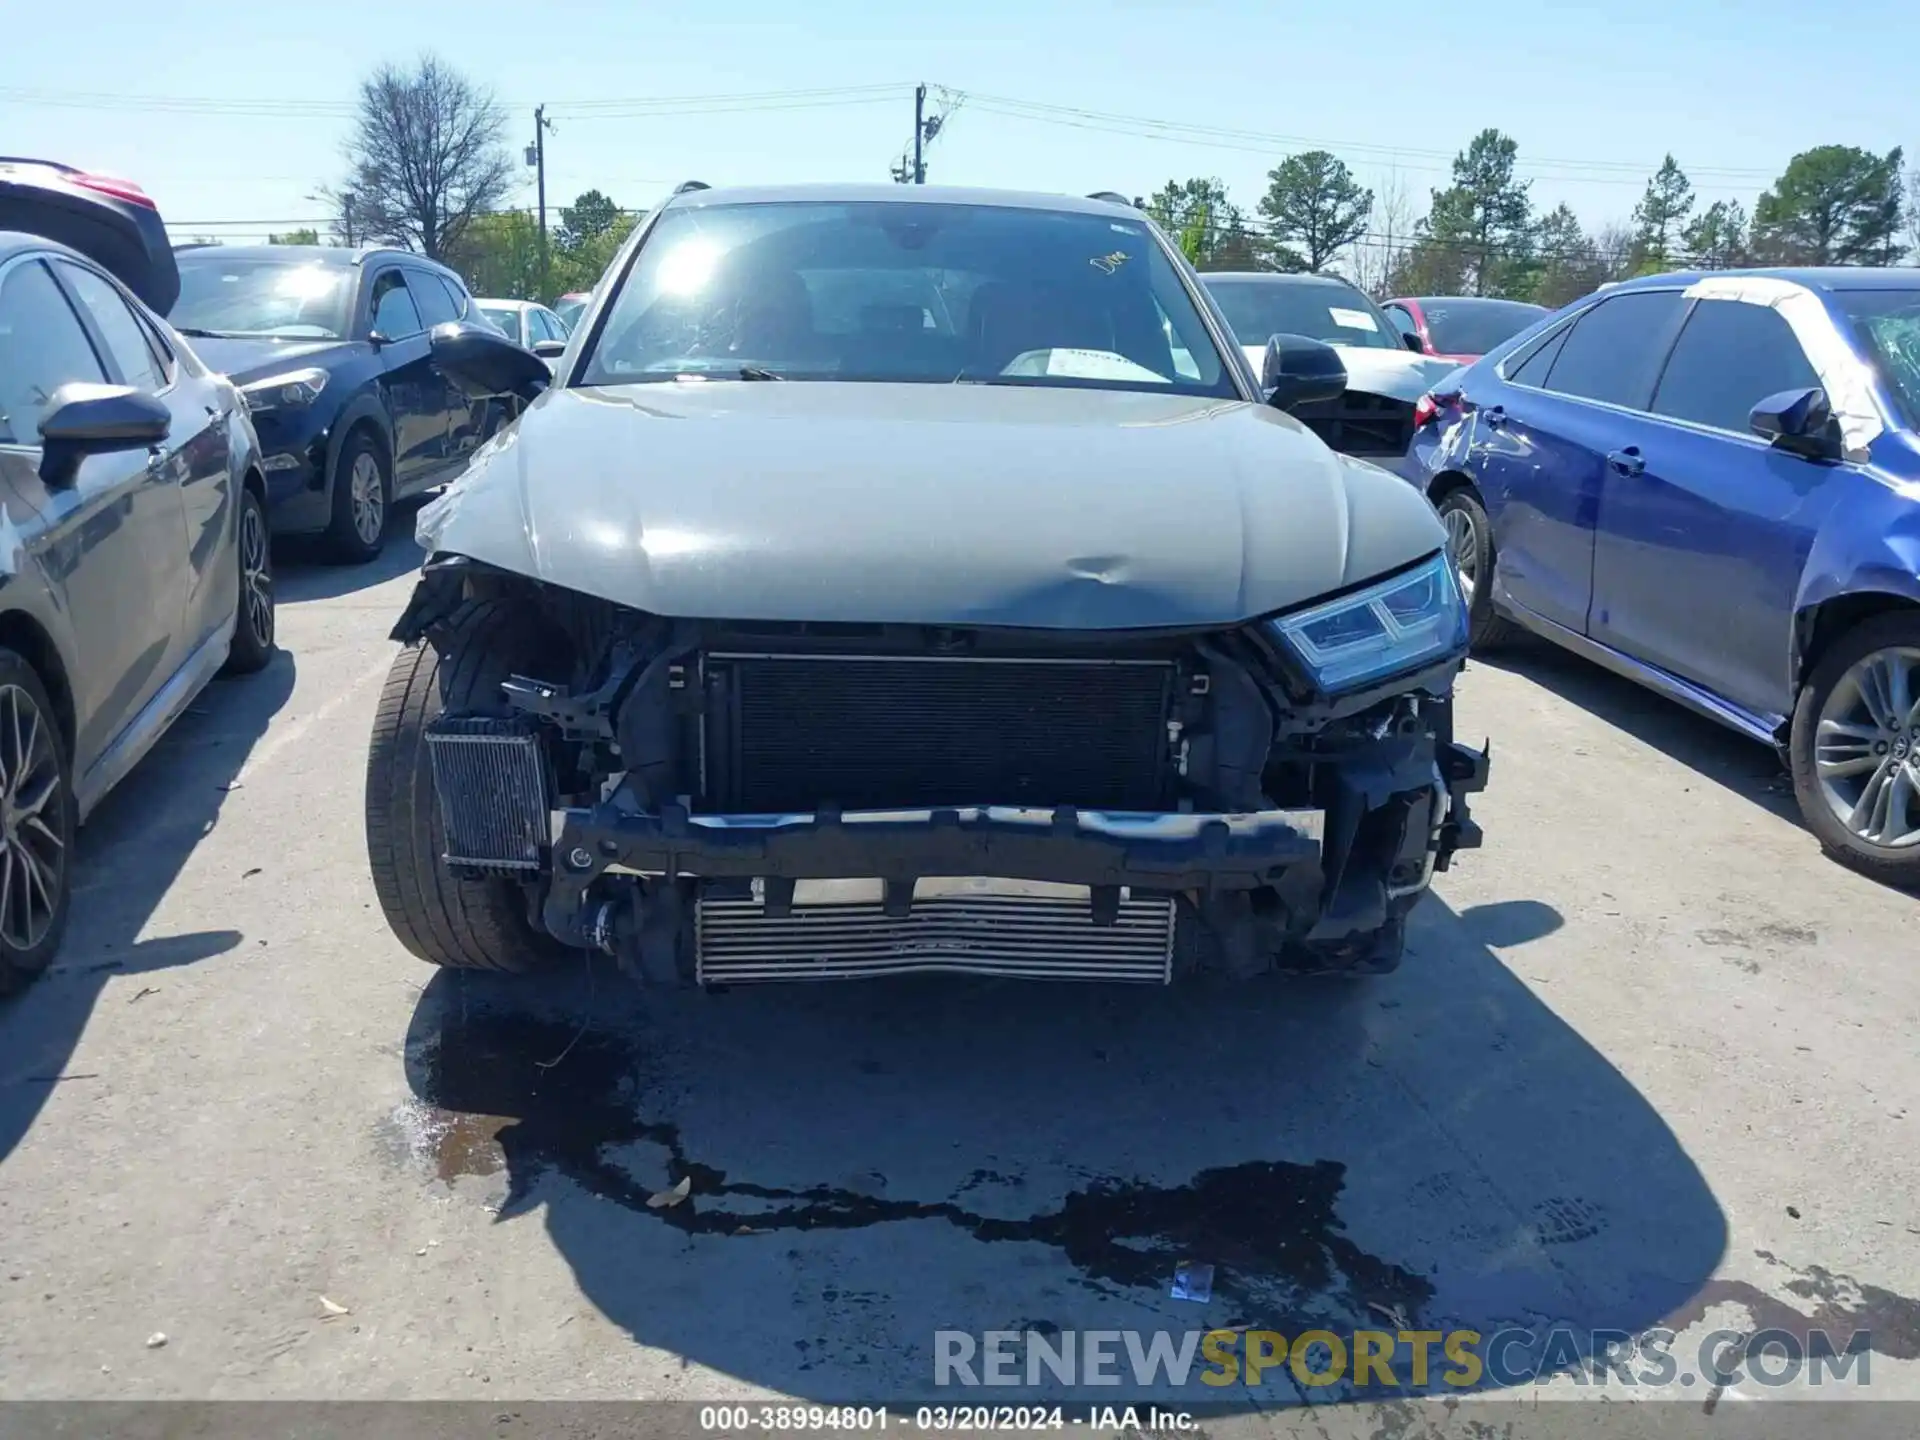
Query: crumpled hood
{"points": [[926, 504], [1398, 374], [244, 359]]}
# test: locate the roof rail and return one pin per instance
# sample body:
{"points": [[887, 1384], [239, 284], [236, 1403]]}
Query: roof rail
{"points": [[687, 187], [1112, 197]]}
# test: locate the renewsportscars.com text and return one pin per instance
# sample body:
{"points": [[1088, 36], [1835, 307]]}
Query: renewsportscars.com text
{"points": [[1397, 1359]]}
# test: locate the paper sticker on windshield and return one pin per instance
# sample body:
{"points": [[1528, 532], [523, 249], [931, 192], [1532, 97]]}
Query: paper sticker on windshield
{"points": [[1352, 319], [1081, 365], [1107, 264]]}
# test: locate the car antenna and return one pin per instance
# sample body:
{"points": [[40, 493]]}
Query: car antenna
{"points": [[1113, 197], [687, 187]]}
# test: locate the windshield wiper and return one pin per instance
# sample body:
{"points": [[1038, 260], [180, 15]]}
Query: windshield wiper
{"points": [[758, 372], [193, 334]]}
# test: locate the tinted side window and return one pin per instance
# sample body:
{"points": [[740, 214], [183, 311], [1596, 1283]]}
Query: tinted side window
{"points": [[1729, 358], [126, 340], [1533, 370], [458, 296], [394, 313], [1402, 321], [1615, 349], [42, 347], [545, 327], [433, 298]]}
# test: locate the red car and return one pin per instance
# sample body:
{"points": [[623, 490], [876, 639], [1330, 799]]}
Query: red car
{"points": [[1461, 327]]}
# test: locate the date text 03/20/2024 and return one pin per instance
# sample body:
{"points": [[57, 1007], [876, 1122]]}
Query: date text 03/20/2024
{"points": [[1131, 1420]]}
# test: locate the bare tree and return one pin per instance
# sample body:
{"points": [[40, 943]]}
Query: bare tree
{"points": [[1913, 211], [425, 159], [1375, 256]]}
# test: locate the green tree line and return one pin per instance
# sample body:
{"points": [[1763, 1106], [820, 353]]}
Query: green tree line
{"points": [[1484, 235]]}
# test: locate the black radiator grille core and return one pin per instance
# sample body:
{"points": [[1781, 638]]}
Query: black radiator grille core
{"points": [[799, 732]]}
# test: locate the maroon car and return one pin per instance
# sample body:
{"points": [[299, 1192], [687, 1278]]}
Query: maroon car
{"points": [[1460, 327]]}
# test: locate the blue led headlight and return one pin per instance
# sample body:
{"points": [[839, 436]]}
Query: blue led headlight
{"points": [[1413, 619]]}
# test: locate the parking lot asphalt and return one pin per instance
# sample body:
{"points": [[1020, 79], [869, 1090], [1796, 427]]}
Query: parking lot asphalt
{"points": [[1651, 1061]]}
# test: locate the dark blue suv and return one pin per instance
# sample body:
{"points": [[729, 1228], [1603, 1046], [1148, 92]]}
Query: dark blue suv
{"points": [[1711, 484], [329, 348]]}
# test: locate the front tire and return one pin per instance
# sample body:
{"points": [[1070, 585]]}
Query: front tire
{"points": [[362, 500], [37, 825], [253, 626], [445, 920], [1855, 749], [1470, 547]]}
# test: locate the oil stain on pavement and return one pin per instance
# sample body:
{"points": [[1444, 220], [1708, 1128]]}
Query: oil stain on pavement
{"points": [[537, 1097]]}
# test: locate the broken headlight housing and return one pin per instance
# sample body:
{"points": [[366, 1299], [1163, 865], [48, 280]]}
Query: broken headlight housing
{"points": [[1415, 618]]}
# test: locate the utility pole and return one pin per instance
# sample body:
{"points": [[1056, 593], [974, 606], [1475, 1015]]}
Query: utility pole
{"points": [[537, 157], [346, 216], [919, 134]]}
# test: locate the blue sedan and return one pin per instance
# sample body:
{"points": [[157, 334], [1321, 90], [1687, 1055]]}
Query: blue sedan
{"points": [[1711, 484]]}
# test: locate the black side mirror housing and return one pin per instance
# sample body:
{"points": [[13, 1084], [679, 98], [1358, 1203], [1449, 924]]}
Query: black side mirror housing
{"points": [[549, 349], [83, 419], [484, 363], [1298, 371], [1799, 421], [1414, 343]]}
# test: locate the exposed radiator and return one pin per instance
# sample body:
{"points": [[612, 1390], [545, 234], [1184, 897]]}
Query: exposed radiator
{"points": [[491, 778], [791, 733], [1360, 423], [839, 930]]}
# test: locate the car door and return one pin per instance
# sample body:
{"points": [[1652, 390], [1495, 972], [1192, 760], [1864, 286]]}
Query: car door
{"points": [[112, 544], [415, 393], [465, 418], [197, 458], [1703, 536], [1541, 442]]}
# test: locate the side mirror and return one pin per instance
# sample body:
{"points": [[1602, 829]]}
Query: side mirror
{"points": [[377, 338], [83, 419], [484, 363], [549, 349], [1799, 421], [1298, 371], [1415, 344]]}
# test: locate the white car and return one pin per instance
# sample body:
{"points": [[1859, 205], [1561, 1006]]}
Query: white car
{"points": [[529, 325], [1385, 378]]}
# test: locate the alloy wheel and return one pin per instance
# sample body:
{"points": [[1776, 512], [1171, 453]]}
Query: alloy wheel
{"points": [[33, 854], [369, 498], [256, 573], [1463, 549], [1866, 748]]}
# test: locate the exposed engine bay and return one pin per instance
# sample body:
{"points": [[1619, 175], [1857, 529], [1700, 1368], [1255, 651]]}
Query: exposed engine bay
{"points": [[717, 802]]}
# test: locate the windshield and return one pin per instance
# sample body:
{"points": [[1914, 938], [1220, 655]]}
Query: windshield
{"points": [[1472, 326], [1336, 314], [291, 299], [1890, 322], [503, 318], [568, 309], [906, 291]]}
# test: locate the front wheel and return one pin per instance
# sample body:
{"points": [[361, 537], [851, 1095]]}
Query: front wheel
{"points": [[362, 500], [37, 824], [252, 645], [467, 924], [1470, 547], [1855, 749]]}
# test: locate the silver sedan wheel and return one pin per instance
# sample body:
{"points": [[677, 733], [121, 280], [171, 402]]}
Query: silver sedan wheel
{"points": [[256, 574], [1463, 549], [33, 856], [369, 498], [1866, 748]]}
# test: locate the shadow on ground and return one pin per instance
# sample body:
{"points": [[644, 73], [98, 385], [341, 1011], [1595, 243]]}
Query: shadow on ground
{"points": [[867, 1165], [1745, 767], [130, 853], [301, 573]]}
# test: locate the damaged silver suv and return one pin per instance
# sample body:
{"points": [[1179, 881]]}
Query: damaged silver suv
{"points": [[902, 579]]}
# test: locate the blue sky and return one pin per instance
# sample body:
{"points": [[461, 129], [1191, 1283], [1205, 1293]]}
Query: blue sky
{"points": [[232, 111]]}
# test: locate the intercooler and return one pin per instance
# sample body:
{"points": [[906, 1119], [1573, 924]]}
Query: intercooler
{"points": [[792, 733], [840, 930], [491, 779]]}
